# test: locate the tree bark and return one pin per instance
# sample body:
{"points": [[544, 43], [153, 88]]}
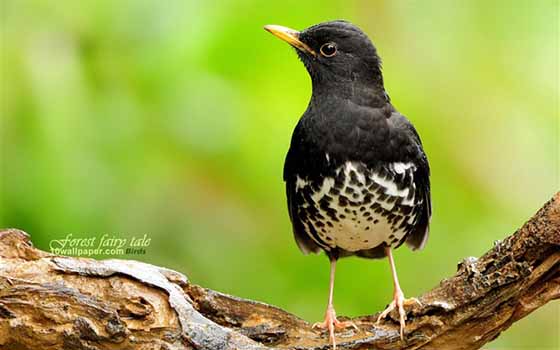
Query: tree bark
{"points": [[56, 302]]}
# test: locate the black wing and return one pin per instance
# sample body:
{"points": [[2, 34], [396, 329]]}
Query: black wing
{"points": [[303, 240], [301, 158], [419, 236]]}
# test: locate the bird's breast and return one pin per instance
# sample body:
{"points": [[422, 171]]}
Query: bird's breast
{"points": [[358, 208]]}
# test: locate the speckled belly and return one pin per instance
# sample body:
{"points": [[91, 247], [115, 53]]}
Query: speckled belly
{"points": [[357, 209]]}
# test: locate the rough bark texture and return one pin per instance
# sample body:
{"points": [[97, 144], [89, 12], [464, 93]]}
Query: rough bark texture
{"points": [[54, 302]]}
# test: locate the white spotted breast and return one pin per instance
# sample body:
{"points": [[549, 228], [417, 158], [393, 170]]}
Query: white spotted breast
{"points": [[359, 208]]}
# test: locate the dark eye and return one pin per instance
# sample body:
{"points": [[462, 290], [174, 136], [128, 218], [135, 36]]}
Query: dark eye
{"points": [[328, 50]]}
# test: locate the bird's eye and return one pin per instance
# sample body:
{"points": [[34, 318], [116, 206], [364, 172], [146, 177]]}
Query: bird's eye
{"points": [[328, 50]]}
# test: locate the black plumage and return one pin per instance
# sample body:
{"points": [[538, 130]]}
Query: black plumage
{"points": [[357, 178]]}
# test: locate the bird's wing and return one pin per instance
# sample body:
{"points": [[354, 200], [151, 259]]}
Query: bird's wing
{"points": [[292, 165], [303, 239], [408, 146], [419, 236]]}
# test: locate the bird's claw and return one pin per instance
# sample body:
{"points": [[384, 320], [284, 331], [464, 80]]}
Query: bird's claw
{"points": [[331, 323], [399, 302], [337, 325]]}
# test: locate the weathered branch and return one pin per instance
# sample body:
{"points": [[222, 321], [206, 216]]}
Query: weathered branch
{"points": [[54, 302]]}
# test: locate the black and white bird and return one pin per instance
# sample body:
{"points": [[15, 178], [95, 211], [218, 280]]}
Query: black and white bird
{"points": [[357, 178]]}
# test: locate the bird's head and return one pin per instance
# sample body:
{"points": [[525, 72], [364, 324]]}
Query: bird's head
{"points": [[335, 53]]}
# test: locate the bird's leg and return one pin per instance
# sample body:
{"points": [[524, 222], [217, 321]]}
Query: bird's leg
{"points": [[330, 322], [399, 301]]}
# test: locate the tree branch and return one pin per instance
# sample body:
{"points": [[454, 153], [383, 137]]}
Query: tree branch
{"points": [[55, 302]]}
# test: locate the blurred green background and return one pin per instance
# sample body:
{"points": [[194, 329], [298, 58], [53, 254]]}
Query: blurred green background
{"points": [[172, 118]]}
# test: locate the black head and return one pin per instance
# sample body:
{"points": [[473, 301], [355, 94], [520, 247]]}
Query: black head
{"points": [[335, 53]]}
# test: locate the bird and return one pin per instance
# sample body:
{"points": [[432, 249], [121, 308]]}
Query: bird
{"points": [[356, 175]]}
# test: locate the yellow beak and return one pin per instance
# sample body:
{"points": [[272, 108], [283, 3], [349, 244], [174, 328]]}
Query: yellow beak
{"points": [[290, 36]]}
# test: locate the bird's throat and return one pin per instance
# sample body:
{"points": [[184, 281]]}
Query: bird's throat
{"points": [[366, 95]]}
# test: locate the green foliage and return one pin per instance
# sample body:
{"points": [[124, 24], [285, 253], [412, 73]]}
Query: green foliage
{"points": [[172, 119]]}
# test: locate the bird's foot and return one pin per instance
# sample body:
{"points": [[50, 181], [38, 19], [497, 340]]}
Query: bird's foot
{"points": [[331, 323], [399, 302]]}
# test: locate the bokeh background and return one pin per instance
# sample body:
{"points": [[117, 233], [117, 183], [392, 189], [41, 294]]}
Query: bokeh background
{"points": [[172, 118]]}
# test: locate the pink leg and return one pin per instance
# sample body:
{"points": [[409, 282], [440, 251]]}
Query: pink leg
{"points": [[399, 300], [330, 322]]}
